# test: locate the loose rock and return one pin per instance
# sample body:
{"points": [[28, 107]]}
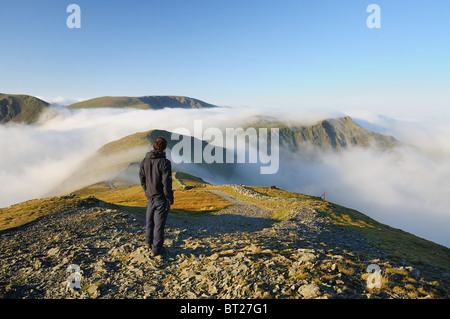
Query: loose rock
{"points": [[238, 252]]}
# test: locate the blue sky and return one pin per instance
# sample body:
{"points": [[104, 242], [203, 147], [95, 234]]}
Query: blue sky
{"points": [[295, 54]]}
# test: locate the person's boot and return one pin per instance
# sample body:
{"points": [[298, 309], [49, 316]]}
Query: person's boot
{"points": [[161, 253]]}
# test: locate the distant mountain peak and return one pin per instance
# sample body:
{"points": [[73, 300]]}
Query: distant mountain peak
{"points": [[334, 133], [20, 108], [142, 102]]}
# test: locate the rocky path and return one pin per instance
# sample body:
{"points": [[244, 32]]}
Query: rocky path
{"points": [[240, 252]]}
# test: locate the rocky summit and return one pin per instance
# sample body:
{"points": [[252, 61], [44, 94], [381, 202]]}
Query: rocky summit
{"points": [[95, 250]]}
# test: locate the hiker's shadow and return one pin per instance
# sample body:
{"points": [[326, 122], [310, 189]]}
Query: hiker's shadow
{"points": [[214, 225], [210, 226]]}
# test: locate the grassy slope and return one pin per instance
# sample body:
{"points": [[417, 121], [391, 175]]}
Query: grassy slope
{"points": [[108, 101], [115, 157], [143, 102], [195, 201], [191, 202], [400, 244], [23, 213]]}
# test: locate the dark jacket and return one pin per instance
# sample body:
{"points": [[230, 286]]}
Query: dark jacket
{"points": [[156, 176]]}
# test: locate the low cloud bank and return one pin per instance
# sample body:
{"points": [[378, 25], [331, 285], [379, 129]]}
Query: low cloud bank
{"points": [[405, 188]]}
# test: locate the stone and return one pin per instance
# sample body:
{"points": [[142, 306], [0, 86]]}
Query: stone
{"points": [[212, 290], [240, 255], [53, 251], [213, 256], [191, 295], [306, 257], [93, 291], [37, 264], [139, 256], [309, 291], [252, 248], [150, 288]]}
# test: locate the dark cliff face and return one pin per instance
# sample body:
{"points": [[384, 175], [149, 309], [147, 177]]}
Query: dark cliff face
{"points": [[334, 134], [9, 109], [20, 108]]}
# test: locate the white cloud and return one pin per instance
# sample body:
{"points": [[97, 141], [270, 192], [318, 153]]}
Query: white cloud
{"points": [[430, 134], [407, 189]]}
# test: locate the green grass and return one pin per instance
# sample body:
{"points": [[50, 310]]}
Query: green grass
{"points": [[278, 208], [143, 102], [23, 213], [194, 201], [125, 144], [189, 180], [401, 244], [110, 101]]}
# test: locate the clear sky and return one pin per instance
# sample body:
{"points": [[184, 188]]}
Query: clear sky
{"points": [[297, 54]]}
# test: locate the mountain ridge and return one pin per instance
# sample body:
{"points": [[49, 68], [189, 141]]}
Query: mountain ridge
{"points": [[119, 159], [330, 134], [239, 242], [26, 109], [143, 102]]}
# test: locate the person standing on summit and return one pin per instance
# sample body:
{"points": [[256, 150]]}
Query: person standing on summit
{"points": [[156, 180]]}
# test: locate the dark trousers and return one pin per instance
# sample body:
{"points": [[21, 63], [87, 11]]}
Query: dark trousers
{"points": [[157, 211]]}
